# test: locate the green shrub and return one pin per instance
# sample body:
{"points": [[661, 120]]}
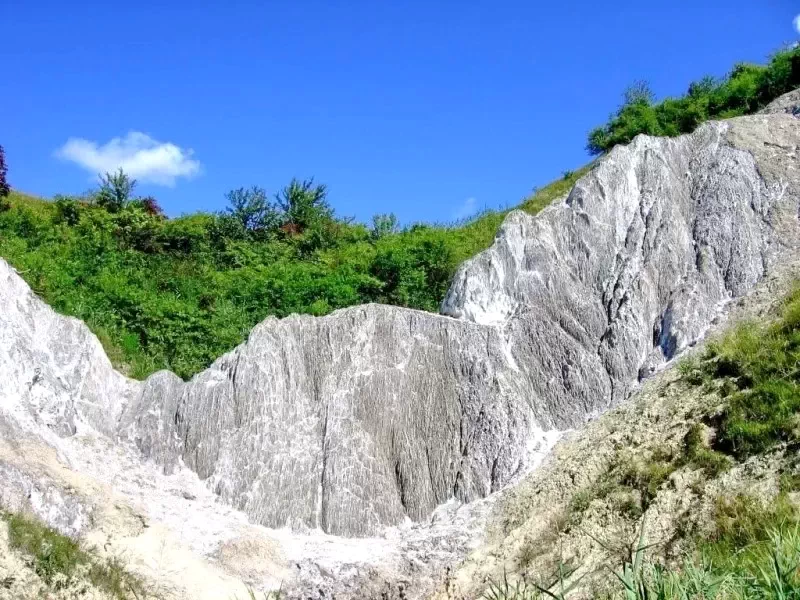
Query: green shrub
{"points": [[745, 90], [67, 211], [116, 190]]}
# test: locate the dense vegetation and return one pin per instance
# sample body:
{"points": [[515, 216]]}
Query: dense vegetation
{"points": [[745, 90], [176, 293]]}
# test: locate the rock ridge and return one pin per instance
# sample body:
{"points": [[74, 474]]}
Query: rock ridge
{"points": [[375, 414]]}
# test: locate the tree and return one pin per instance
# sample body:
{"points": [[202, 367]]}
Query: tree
{"points": [[383, 225], [115, 190], [5, 189], [151, 206], [252, 208], [304, 205], [702, 88], [639, 92]]}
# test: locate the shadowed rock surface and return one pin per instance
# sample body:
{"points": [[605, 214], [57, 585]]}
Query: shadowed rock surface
{"points": [[373, 414]]}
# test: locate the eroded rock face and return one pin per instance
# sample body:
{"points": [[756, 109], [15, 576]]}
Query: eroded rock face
{"points": [[632, 266], [53, 370], [375, 414], [347, 422]]}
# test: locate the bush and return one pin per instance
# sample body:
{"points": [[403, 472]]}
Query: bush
{"points": [[745, 90], [253, 210], [67, 210], [115, 191]]}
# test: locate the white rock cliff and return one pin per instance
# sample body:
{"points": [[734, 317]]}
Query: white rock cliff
{"points": [[374, 414]]}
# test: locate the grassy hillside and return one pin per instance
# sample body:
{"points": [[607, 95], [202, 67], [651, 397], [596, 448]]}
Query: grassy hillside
{"points": [[176, 293]]}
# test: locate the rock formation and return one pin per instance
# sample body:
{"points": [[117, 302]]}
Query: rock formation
{"points": [[376, 414], [356, 420]]}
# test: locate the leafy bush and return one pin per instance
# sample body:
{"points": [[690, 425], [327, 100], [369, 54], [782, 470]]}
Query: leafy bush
{"points": [[745, 90], [115, 190], [67, 210], [252, 209]]}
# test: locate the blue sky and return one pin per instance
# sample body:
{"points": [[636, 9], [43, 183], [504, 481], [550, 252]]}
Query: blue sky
{"points": [[425, 109]]}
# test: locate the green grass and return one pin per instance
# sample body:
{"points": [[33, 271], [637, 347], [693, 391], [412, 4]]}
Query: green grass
{"points": [[177, 293], [58, 559], [699, 454], [756, 368], [753, 551], [544, 197]]}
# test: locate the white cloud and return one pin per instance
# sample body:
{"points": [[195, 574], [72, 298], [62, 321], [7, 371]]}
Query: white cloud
{"points": [[797, 23], [139, 155], [467, 209]]}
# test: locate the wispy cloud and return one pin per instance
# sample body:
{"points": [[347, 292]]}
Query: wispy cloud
{"points": [[797, 23], [466, 209], [139, 155]]}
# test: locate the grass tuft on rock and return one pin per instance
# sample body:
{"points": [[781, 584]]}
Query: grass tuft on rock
{"points": [[59, 560]]}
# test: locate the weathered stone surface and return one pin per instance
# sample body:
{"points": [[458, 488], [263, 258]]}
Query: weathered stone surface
{"points": [[634, 264], [374, 414], [53, 370], [348, 422], [787, 104]]}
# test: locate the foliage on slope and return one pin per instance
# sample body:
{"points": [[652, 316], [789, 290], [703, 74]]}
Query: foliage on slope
{"points": [[747, 89], [61, 566], [176, 293], [756, 369]]}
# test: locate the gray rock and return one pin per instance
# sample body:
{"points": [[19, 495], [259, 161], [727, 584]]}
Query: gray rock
{"points": [[375, 414], [787, 104]]}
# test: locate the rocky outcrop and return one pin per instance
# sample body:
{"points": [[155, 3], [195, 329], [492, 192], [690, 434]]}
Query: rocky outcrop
{"points": [[348, 422], [53, 370], [375, 414], [575, 509], [786, 104]]}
